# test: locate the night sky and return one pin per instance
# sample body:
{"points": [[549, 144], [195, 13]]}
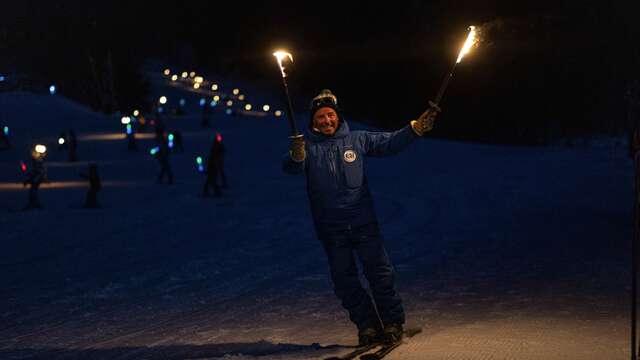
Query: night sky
{"points": [[541, 72]]}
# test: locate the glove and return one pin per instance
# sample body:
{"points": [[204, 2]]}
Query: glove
{"points": [[296, 149], [425, 122]]}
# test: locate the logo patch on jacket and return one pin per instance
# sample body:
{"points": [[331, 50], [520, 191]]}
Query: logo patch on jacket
{"points": [[350, 156]]}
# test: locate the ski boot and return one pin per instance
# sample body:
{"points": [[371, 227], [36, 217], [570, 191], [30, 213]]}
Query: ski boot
{"points": [[369, 336], [393, 333]]}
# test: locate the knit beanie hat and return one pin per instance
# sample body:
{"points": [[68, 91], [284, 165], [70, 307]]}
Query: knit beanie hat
{"points": [[324, 99]]}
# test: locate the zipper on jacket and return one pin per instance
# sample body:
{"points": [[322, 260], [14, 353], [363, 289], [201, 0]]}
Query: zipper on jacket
{"points": [[332, 165]]}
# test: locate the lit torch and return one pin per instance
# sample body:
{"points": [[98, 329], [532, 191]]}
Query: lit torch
{"points": [[472, 40], [280, 55]]}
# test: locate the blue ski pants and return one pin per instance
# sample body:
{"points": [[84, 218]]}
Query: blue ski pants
{"points": [[342, 244]]}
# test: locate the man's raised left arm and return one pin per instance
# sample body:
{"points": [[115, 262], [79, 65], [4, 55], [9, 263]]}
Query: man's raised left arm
{"points": [[389, 143]]}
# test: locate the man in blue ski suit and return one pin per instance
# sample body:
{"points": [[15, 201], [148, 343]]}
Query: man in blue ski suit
{"points": [[344, 216]]}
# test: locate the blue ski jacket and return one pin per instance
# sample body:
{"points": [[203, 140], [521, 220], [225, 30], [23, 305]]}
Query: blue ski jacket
{"points": [[334, 168]]}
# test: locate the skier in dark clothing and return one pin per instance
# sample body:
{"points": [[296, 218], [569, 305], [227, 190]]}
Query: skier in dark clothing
{"points": [[177, 141], [159, 129], [163, 159], [215, 168], [344, 215], [4, 138], [35, 177], [72, 146], [205, 116], [131, 139], [95, 185]]}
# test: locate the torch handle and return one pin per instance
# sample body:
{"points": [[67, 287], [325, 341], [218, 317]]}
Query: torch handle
{"points": [[443, 87], [445, 83], [292, 120]]}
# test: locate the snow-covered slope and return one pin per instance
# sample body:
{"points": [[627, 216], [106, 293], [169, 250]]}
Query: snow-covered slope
{"points": [[501, 252]]}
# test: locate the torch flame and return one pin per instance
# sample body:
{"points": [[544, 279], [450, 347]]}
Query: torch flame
{"points": [[281, 54], [471, 40]]}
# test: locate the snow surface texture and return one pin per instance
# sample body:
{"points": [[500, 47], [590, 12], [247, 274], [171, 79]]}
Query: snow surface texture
{"points": [[501, 252]]}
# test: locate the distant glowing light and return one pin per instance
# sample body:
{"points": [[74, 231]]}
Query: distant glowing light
{"points": [[278, 113], [129, 129], [229, 112], [214, 87], [52, 89], [171, 137], [136, 112], [23, 166], [196, 85], [248, 107], [160, 109], [236, 91], [125, 120], [174, 77], [192, 74], [198, 79], [183, 102], [6, 130], [229, 103], [166, 72], [199, 160], [266, 108], [216, 98], [203, 102], [213, 103], [163, 100], [184, 74], [61, 141], [154, 150], [218, 137], [241, 97], [41, 149], [2, 78]]}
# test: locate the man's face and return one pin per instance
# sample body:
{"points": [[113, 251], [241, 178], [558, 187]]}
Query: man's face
{"points": [[326, 121]]}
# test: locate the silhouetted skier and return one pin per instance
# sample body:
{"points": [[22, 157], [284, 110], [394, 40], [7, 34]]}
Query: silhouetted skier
{"points": [[159, 130], [95, 185], [72, 143], [178, 146], [131, 140], [142, 123], [179, 111], [163, 159], [35, 177], [205, 116], [215, 168], [4, 140]]}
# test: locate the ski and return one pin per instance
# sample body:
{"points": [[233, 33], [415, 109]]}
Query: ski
{"points": [[388, 348], [353, 354]]}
